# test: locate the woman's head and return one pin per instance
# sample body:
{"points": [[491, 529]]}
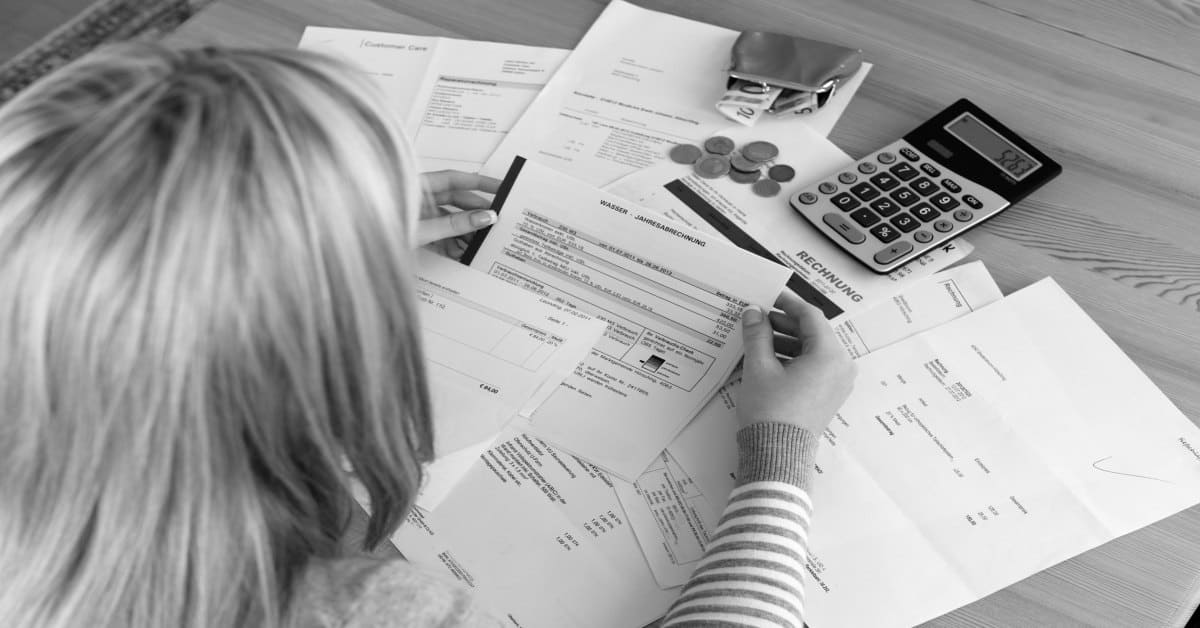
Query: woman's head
{"points": [[204, 311]]}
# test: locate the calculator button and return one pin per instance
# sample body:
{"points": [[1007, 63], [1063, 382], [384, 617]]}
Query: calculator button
{"points": [[838, 223], [922, 236], [930, 170], [865, 191], [864, 217], [942, 225], [925, 212], [909, 154], [924, 186], [884, 181], [886, 157], [867, 167], [963, 215], [893, 252], [949, 184], [972, 202], [944, 201], [808, 198], [827, 187], [905, 222], [847, 177], [885, 232], [904, 197], [885, 206], [903, 171], [845, 202]]}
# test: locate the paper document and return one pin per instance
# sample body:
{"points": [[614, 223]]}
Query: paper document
{"points": [[677, 502], [638, 83], [457, 98], [975, 454], [824, 275], [672, 298], [540, 537], [492, 351]]}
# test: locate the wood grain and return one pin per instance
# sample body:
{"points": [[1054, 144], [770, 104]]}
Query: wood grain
{"points": [[1109, 88]]}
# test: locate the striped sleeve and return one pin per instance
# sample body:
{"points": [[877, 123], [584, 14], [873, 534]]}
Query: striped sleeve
{"points": [[752, 571]]}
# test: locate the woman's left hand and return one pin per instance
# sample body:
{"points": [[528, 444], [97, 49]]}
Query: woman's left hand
{"points": [[456, 189]]}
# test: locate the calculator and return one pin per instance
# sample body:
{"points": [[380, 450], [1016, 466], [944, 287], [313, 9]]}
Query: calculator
{"points": [[947, 176]]}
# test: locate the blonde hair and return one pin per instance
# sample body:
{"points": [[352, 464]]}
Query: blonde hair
{"points": [[205, 308]]}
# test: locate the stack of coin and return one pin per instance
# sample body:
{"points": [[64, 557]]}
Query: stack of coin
{"points": [[720, 157]]}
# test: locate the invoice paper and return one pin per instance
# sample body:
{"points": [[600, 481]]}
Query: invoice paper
{"points": [[980, 452], [675, 505], [457, 98], [539, 536], [491, 351], [824, 275], [638, 83], [672, 298]]}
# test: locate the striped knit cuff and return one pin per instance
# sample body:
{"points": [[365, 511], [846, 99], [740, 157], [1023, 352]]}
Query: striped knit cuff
{"points": [[776, 452]]}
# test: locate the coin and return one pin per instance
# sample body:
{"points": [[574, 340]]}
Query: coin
{"points": [[686, 154], [766, 187], [760, 151], [739, 162], [744, 177], [719, 145], [782, 173], [712, 166]]}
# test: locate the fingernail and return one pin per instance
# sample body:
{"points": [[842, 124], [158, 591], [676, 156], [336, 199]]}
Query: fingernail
{"points": [[752, 316], [483, 218]]}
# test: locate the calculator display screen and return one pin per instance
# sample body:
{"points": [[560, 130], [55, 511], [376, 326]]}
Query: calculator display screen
{"points": [[983, 140]]}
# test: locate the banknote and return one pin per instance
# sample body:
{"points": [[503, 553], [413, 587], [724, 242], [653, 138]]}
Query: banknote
{"points": [[745, 101]]}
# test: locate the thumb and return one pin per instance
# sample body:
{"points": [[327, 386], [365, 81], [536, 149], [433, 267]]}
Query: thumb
{"points": [[453, 225], [759, 338]]}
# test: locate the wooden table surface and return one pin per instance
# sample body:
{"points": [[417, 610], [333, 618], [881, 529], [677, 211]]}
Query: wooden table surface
{"points": [[1108, 88]]}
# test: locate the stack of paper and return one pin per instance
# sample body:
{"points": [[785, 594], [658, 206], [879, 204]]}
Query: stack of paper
{"points": [[458, 99], [492, 352], [585, 412]]}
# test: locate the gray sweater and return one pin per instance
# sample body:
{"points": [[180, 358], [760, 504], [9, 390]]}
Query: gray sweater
{"points": [[750, 574]]}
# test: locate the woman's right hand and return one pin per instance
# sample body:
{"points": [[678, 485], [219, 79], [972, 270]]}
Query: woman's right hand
{"points": [[807, 389]]}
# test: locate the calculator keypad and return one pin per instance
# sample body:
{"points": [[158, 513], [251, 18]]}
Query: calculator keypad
{"points": [[885, 207], [925, 212], [885, 232], [845, 202], [839, 224], [890, 200], [924, 186], [865, 191], [903, 171], [944, 201], [905, 222], [894, 252], [904, 197], [864, 217], [885, 181]]}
